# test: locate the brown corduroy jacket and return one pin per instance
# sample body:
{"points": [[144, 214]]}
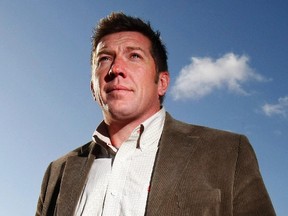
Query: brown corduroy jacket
{"points": [[198, 171]]}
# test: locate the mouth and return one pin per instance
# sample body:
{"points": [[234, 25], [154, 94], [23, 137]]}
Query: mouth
{"points": [[116, 88]]}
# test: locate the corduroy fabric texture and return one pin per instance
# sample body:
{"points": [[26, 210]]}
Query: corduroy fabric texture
{"points": [[198, 171]]}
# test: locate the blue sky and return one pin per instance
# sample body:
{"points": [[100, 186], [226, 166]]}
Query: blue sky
{"points": [[228, 62]]}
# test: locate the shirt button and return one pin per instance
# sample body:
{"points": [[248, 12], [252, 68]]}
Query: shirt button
{"points": [[113, 193]]}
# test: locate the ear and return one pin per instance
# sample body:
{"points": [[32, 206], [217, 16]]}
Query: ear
{"points": [[163, 83], [92, 90]]}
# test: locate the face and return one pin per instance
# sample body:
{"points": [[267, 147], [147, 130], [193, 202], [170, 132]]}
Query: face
{"points": [[124, 78]]}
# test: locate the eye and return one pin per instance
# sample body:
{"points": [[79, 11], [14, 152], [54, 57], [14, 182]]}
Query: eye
{"points": [[135, 56], [103, 58]]}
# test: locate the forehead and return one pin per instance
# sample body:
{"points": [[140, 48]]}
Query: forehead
{"points": [[124, 39]]}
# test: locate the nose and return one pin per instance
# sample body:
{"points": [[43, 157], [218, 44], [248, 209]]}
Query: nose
{"points": [[117, 69]]}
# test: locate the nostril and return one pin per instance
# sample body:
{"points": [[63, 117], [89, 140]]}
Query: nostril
{"points": [[111, 73], [110, 76], [116, 71]]}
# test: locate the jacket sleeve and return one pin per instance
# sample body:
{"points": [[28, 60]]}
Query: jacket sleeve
{"points": [[42, 195], [250, 194]]}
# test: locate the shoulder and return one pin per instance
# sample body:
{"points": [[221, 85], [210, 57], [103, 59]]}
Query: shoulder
{"points": [[183, 127], [207, 135], [208, 142], [82, 151]]}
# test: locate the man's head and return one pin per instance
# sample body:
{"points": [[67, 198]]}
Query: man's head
{"points": [[129, 68], [119, 22]]}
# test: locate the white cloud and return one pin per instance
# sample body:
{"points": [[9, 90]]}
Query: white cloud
{"points": [[205, 75], [280, 108]]}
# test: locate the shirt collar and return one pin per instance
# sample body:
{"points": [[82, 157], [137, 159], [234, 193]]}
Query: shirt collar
{"points": [[152, 129], [101, 136], [145, 134]]}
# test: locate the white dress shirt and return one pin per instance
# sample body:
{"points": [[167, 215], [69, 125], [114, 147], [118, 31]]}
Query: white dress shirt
{"points": [[119, 185]]}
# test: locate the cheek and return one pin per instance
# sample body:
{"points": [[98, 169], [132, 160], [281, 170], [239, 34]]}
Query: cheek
{"points": [[98, 94], [96, 86], [97, 79]]}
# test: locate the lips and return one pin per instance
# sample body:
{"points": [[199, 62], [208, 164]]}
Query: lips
{"points": [[113, 88]]}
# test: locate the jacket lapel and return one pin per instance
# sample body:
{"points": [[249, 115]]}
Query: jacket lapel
{"points": [[175, 147], [73, 181]]}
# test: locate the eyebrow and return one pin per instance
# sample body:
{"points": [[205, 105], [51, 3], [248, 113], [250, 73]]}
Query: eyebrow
{"points": [[131, 48], [134, 48], [103, 50], [107, 51]]}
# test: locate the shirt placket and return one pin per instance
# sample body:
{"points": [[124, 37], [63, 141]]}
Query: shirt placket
{"points": [[118, 177]]}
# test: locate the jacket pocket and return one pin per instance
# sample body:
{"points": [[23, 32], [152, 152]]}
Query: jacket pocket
{"points": [[201, 202]]}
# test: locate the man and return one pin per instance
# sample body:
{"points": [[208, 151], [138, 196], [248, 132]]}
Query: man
{"points": [[141, 161]]}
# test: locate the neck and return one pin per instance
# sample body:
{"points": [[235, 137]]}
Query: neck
{"points": [[119, 134], [120, 130]]}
